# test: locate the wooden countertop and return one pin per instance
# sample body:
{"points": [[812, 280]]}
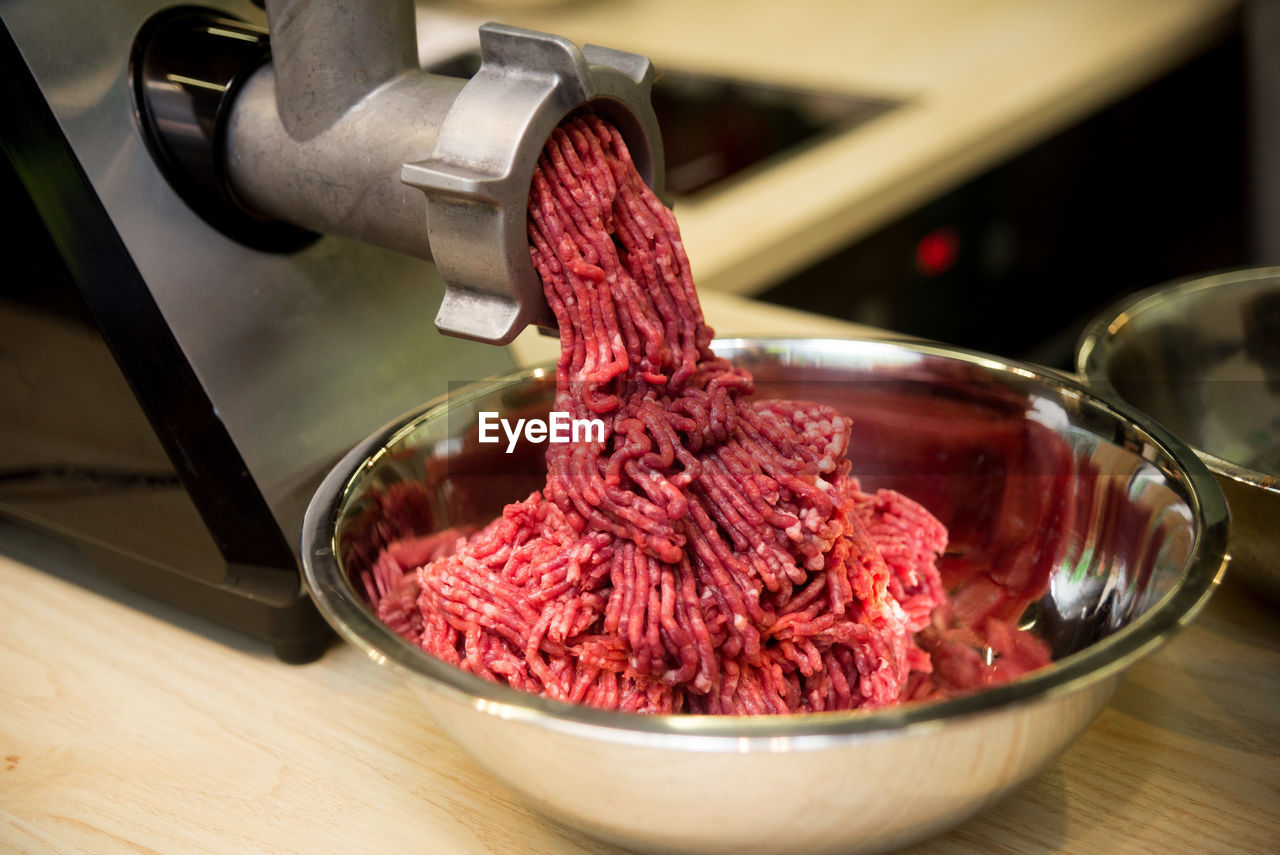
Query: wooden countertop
{"points": [[127, 727], [980, 79]]}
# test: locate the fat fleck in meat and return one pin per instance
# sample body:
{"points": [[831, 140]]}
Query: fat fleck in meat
{"points": [[713, 554]]}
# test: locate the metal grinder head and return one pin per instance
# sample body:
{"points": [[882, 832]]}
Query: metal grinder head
{"points": [[342, 133], [477, 179]]}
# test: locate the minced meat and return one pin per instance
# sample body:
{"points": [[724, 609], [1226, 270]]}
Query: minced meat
{"points": [[713, 554]]}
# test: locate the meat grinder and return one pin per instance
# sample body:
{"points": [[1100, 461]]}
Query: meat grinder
{"points": [[233, 233]]}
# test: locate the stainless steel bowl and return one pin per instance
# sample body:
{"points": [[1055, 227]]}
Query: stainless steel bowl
{"points": [[1029, 471], [1202, 357]]}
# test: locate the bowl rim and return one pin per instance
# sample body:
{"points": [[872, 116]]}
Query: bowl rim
{"points": [[1096, 344], [337, 599]]}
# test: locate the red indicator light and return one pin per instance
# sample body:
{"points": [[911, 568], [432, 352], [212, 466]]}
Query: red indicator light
{"points": [[937, 251]]}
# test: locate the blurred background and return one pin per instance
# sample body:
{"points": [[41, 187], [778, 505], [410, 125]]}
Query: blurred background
{"points": [[989, 174]]}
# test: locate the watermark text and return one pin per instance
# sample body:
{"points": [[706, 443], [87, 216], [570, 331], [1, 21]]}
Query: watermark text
{"points": [[557, 427]]}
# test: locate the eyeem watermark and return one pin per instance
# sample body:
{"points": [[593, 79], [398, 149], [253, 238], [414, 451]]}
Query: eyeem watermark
{"points": [[558, 427]]}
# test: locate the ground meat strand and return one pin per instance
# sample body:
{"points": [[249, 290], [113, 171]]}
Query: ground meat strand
{"points": [[713, 554]]}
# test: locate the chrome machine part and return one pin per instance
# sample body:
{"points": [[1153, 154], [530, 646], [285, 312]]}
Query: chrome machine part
{"points": [[477, 179], [346, 145], [187, 67]]}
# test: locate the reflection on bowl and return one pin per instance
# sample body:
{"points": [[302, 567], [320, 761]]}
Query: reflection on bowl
{"points": [[1031, 474], [1202, 357]]}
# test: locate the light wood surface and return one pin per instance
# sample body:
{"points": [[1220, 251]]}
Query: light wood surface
{"points": [[980, 79]]}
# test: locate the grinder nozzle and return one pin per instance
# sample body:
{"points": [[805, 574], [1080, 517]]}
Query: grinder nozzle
{"points": [[477, 178]]}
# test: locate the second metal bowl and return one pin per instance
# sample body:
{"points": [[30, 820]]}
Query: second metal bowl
{"points": [[1202, 357]]}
